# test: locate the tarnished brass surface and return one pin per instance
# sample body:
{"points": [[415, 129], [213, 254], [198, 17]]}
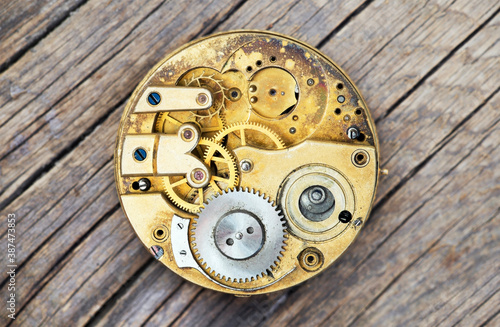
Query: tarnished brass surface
{"points": [[175, 99], [255, 112]]}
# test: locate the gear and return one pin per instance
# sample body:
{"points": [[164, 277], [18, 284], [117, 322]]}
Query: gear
{"points": [[239, 236], [259, 135], [212, 120], [224, 176], [207, 80]]}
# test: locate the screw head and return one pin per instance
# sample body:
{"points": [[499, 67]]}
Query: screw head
{"points": [[358, 222], [292, 130], [246, 165], [341, 99], [154, 98], [144, 184], [140, 154], [353, 133], [157, 251], [310, 82], [345, 216]]}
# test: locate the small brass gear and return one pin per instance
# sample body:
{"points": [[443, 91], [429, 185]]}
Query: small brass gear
{"points": [[224, 176], [258, 135], [201, 78]]}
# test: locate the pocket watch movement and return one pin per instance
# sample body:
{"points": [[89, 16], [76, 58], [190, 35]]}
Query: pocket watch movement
{"points": [[246, 162]]}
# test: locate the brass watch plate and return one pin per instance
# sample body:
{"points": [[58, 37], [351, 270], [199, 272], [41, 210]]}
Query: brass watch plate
{"points": [[246, 162]]}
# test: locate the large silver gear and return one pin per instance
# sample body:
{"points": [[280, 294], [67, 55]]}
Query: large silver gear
{"points": [[239, 236]]}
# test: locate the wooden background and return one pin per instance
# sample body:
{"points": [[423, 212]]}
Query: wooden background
{"points": [[430, 72]]}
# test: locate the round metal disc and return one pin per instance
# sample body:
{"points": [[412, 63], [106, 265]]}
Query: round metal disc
{"points": [[239, 234]]}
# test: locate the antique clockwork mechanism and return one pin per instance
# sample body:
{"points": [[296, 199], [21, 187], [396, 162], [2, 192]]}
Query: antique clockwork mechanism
{"points": [[246, 162]]}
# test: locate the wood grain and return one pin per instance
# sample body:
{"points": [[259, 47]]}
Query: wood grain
{"points": [[25, 23], [429, 71]]}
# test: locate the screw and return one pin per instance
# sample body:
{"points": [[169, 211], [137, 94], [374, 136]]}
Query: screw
{"points": [[202, 99], [154, 98], [140, 154], [157, 251], [353, 133], [341, 98], [183, 252], [358, 222], [180, 226], [253, 88], [292, 130], [310, 82], [246, 165], [345, 216], [253, 99], [144, 184], [317, 195]]}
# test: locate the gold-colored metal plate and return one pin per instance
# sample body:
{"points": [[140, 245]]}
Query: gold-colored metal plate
{"points": [[247, 162]]}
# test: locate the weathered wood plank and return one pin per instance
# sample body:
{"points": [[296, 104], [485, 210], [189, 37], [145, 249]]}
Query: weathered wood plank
{"points": [[170, 310], [441, 280], [186, 294], [145, 295], [23, 23], [97, 267], [310, 21], [479, 308], [51, 234]]}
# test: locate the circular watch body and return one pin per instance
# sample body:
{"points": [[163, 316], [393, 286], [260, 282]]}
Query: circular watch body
{"points": [[246, 162]]}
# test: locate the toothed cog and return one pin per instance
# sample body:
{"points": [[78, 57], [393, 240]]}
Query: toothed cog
{"points": [[239, 236], [225, 175]]}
